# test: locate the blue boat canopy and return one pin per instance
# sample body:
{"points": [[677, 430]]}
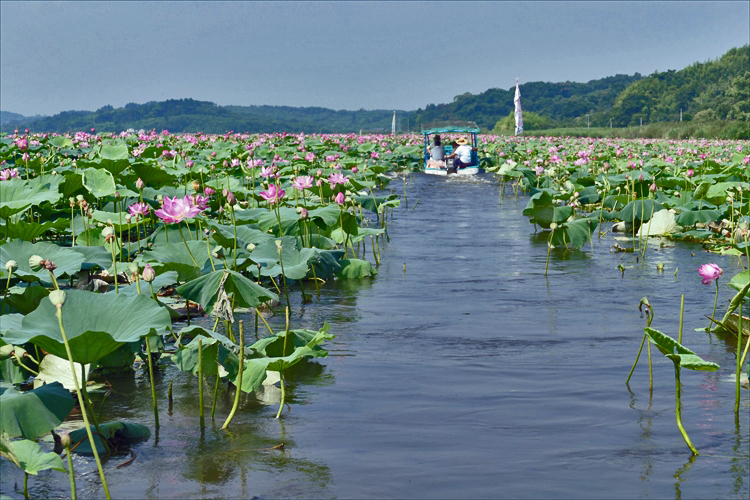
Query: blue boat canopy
{"points": [[449, 126]]}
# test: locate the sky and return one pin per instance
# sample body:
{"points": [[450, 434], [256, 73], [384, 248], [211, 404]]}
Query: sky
{"points": [[66, 55]]}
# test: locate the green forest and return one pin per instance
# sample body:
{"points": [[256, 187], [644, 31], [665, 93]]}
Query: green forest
{"points": [[711, 91]]}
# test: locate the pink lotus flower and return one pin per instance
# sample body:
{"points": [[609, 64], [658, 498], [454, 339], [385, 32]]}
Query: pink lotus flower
{"points": [[208, 191], [23, 144], [139, 209], [175, 210], [8, 174], [690, 172], [337, 178], [273, 194], [310, 157], [340, 199], [200, 201], [709, 272], [267, 172], [303, 182]]}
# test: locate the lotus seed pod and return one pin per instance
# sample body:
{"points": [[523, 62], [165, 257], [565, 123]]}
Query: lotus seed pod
{"points": [[133, 268], [57, 297], [36, 263], [196, 185], [148, 273], [6, 351], [278, 243], [11, 265], [79, 197], [553, 226], [250, 247], [299, 210], [107, 233]]}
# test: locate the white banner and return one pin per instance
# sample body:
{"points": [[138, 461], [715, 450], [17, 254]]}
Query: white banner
{"points": [[393, 124], [518, 114]]}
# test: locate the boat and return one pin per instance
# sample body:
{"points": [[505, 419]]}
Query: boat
{"points": [[468, 129]]}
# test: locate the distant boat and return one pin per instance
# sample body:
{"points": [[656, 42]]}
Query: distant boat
{"points": [[445, 167]]}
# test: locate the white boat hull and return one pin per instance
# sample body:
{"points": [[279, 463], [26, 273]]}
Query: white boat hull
{"points": [[462, 171]]}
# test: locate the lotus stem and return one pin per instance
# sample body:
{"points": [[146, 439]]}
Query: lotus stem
{"points": [[682, 313], [678, 406], [186, 245], [114, 264], [71, 473], [187, 311], [153, 295], [259, 315], [72, 226], [716, 298], [234, 225], [26, 474], [643, 340], [239, 377], [200, 382], [52, 277], [81, 402], [7, 287], [281, 372], [151, 378], [216, 391], [283, 275]]}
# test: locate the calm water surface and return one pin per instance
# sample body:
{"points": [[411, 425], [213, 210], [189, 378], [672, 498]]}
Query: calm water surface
{"points": [[460, 371]]}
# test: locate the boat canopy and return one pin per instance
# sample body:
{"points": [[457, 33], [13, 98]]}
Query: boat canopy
{"points": [[449, 126]]}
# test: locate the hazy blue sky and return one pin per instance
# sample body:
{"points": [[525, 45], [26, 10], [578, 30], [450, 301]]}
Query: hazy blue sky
{"points": [[58, 56]]}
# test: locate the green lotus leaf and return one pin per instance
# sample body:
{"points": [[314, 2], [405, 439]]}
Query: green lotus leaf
{"points": [[589, 195], [114, 150], [273, 346], [28, 456], [30, 230], [213, 355], [61, 142], [16, 195], [67, 260], [325, 217], [289, 221], [739, 280], [355, 268], [175, 257], [99, 182], [94, 256], [204, 290], [640, 210], [152, 176], [122, 432], [95, 324], [224, 235], [32, 414], [692, 217], [251, 214], [375, 204], [574, 234], [24, 299], [679, 353]]}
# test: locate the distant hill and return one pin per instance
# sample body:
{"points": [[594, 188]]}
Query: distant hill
{"points": [[714, 90]]}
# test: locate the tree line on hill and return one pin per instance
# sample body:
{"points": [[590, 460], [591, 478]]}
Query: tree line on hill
{"points": [[710, 91]]}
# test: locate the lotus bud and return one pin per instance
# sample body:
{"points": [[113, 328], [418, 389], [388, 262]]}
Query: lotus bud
{"points": [[148, 273], [224, 192], [139, 184], [553, 226], [117, 195], [303, 213], [65, 440], [57, 297], [11, 266], [36, 263], [231, 199], [250, 247], [652, 187], [355, 170]]}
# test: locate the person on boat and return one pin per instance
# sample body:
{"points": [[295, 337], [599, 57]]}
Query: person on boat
{"points": [[461, 153], [437, 154]]}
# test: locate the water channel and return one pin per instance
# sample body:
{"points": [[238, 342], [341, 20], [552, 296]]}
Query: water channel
{"points": [[461, 371]]}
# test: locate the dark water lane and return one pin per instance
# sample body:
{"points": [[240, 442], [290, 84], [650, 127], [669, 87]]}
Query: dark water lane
{"points": [[460, 371]]}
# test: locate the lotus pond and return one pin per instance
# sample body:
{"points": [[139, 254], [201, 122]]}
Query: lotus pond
{"points": [[402, 335]]}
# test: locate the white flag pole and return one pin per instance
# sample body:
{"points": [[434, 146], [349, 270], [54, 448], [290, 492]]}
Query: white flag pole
{"points": [[393, 124]]}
